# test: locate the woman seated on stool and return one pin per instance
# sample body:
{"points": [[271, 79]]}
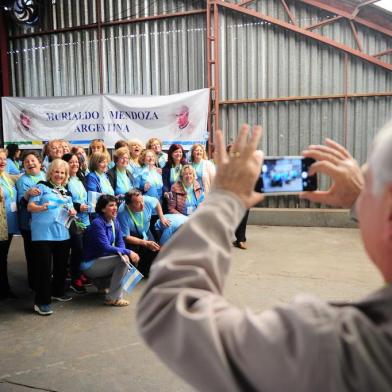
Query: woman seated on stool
{"points": [[102, 249], [186, 194]]}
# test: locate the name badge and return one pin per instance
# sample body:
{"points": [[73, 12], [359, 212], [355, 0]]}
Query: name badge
{"points": [[14, 206]]}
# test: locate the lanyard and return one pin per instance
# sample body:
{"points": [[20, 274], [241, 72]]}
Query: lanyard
{"points": [[176, 172], [16, 163], [114, 233], [188, 197], [6, 182], [133, 217]]}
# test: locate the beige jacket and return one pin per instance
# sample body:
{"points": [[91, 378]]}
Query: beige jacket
{"points": [[308, 345], [3, 218]]}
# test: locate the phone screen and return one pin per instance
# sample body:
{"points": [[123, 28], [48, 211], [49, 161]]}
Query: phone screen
{"points": [[286, 175]]}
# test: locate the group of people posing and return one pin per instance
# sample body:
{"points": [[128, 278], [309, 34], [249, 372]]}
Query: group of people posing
{"points": [[88, 216]]}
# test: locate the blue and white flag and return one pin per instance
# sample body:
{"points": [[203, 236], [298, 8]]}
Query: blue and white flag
{"points": [[131, 279]]}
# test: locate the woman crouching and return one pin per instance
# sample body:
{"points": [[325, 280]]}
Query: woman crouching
{"points": [[104, 252]]}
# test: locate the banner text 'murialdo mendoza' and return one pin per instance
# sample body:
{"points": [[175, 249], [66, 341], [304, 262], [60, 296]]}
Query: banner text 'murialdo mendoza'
{"points": [[95, 115]]}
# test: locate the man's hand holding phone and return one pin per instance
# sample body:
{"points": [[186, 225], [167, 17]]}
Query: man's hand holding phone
{"points": [[336, 162]]}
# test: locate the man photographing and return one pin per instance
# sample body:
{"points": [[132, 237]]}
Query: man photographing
{"points": [[308, 345]]}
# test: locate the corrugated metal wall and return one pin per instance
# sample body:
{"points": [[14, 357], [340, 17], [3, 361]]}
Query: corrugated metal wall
{"points": [[257, 60], [153, 57]]}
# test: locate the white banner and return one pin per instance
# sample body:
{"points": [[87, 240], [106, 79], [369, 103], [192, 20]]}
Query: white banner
{"points": [[179, 118]]}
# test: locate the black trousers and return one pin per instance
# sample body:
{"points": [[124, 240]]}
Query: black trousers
{"points": [[240, 233], [4, 248], [48, 253], [30, 257], [76, 255]]}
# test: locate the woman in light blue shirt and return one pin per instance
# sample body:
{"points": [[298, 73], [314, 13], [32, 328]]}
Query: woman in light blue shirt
{"points": [[51, 211], [135, 148], [97, 180], [121, 179], [150, 179], [79, 198], [27, 187], [8, 195]]}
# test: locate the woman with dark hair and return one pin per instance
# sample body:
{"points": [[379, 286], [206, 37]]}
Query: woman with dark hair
{"points": [[27, 187], [171, 171], [13, 155], [79, 199], [104, 251]]}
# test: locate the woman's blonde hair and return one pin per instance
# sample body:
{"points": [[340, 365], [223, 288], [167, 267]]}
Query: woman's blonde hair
{"points": [[151, 141], [136, 142], [143, 156], [120, 152], [58, 163], [194, 148], [187, 167], [95, 159], [104, 149]]}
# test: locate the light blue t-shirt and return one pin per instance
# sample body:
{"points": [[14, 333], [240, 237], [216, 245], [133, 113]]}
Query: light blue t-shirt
{"points": [[191, 201], [199, 167], [155, 180], [176, 221], [23, 184], [123, 184], [137, 223], [12, 167], [79, 195], [136, 173], [44, 226], [10, 195]]}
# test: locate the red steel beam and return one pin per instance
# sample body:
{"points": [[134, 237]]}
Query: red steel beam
{"points": [[383, 53], [4, 66], [216, 67], [289, 13], [109, 23], [363, 4], [356, 36], [305, 98], [323, 23], [344, 14], [245, 2], [306, 33]]}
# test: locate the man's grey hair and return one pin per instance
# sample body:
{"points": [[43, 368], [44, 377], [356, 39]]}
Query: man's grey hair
{"points": [[380, 159]]}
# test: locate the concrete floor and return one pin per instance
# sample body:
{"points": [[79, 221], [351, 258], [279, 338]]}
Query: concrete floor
{"points": [[85, 346]]}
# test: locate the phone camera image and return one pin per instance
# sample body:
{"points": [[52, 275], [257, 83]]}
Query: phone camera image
{"points": [[286, 175]]}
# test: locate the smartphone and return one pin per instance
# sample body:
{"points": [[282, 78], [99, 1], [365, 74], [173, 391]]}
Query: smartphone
{"points": [[286, 175]]}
